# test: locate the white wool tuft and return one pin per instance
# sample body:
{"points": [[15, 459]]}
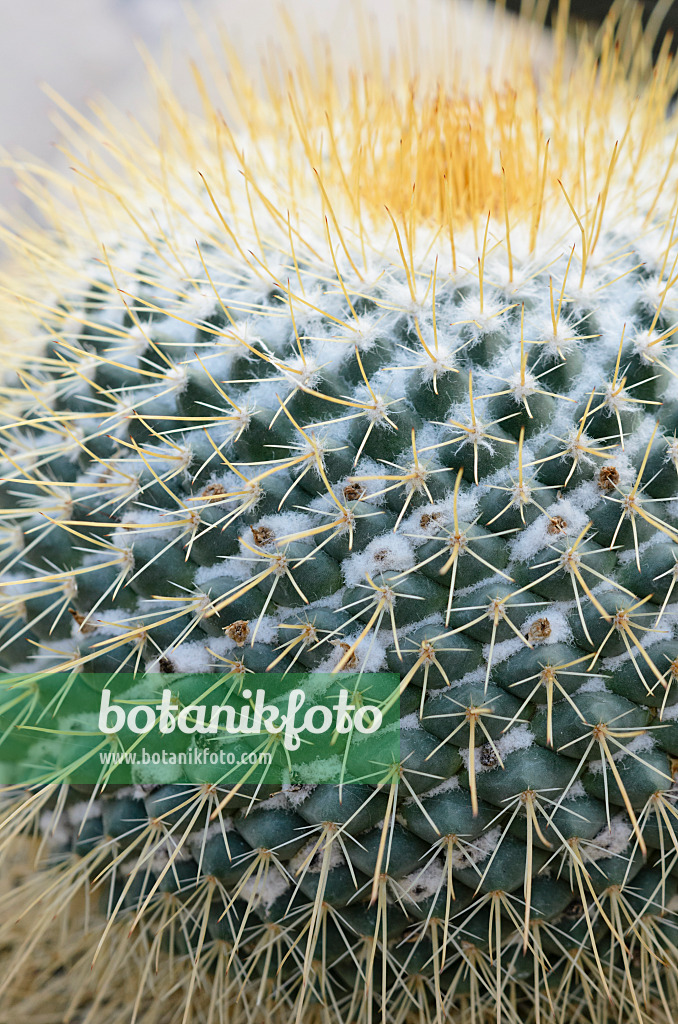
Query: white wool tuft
{"points": [[535, 538], [295, 794], [82, 811], [192, 656], [519, 737], [240, 567], [593, 684], [327, 769], [56, 827], [107, 621], [670, 713], [444, 787], [370, 656], [361, 472], [479, 849], [273, 803], [610, 842], [282, 525], [298, 862], [266, 890], [560, 631], [422, 884], [635, 746], [389, 552]]}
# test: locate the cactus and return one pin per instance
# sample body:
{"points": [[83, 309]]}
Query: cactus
{"points": [[368, 375]]}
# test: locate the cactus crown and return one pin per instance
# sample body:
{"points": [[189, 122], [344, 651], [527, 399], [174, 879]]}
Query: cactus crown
{"points": [[363, 375]]}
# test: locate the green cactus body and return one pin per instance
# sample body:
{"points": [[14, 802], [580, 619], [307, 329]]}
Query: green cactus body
{"points": [[333, 438]]}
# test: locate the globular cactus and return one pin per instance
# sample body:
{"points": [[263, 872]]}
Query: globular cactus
{"points": [[361, 375]]}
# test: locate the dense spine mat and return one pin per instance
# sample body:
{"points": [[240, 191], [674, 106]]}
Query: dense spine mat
{"points": [[382, 379]]}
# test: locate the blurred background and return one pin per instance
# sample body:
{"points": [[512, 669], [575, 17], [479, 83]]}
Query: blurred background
{"points": [[87, 48]]}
